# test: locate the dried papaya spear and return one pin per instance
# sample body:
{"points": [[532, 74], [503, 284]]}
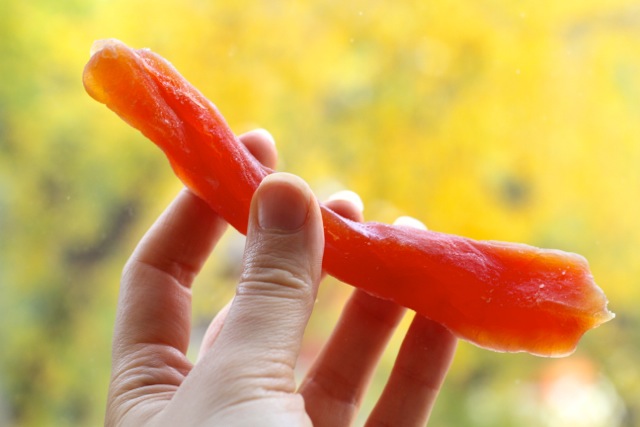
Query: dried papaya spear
{"points": [[501, 296]]}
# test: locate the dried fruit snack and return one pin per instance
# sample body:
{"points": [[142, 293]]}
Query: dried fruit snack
{"points": [[501, 296]]}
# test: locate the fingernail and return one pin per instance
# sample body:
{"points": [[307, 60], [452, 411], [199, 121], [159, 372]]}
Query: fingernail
{"points": [[283, 202]]}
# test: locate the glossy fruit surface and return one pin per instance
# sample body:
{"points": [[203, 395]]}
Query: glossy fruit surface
{"points": [[501, 296]]}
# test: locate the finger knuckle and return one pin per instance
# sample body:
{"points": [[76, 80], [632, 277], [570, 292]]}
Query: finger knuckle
{"points": [[276, 280]]}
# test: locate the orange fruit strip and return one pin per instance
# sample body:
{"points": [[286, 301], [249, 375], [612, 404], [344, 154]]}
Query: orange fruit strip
{"points": [[501, 296]]}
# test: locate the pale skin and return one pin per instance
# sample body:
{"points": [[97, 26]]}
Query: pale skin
{"points": [[244, 374]]}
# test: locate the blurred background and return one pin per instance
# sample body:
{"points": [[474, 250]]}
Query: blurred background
{"points": [[493, 119]]}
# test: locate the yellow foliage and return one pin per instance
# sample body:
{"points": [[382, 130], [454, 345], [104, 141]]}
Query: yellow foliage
{"points": [[493, 119]]}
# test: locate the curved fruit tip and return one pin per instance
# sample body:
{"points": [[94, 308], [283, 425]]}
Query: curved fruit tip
{"points": [[99, 45], [605, 316], [106, 65], [601, 313]]}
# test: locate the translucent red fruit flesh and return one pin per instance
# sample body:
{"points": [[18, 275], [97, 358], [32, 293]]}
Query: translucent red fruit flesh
{"points": [[501, 296]]}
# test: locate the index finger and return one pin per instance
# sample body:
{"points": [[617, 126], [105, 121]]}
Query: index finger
{"points": [[153, 319], [155, 301], [155, 297]]}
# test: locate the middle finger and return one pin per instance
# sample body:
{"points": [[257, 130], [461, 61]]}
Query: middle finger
{"points": [[334, 387]]}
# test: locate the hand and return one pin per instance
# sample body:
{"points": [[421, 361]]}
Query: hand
{"points": [[244, 375]]}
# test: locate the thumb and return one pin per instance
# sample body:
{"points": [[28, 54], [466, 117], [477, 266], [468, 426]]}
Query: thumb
{"points": [[262, 333]]}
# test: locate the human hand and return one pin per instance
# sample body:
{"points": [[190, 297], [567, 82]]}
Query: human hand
{"points": [[245, 372]]}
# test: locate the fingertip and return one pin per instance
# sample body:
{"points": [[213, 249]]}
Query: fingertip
{"points": [[408, 221], [285, 210], [349, 196], [262, 145], [283, 201], [347, 204], [263, 135]]}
